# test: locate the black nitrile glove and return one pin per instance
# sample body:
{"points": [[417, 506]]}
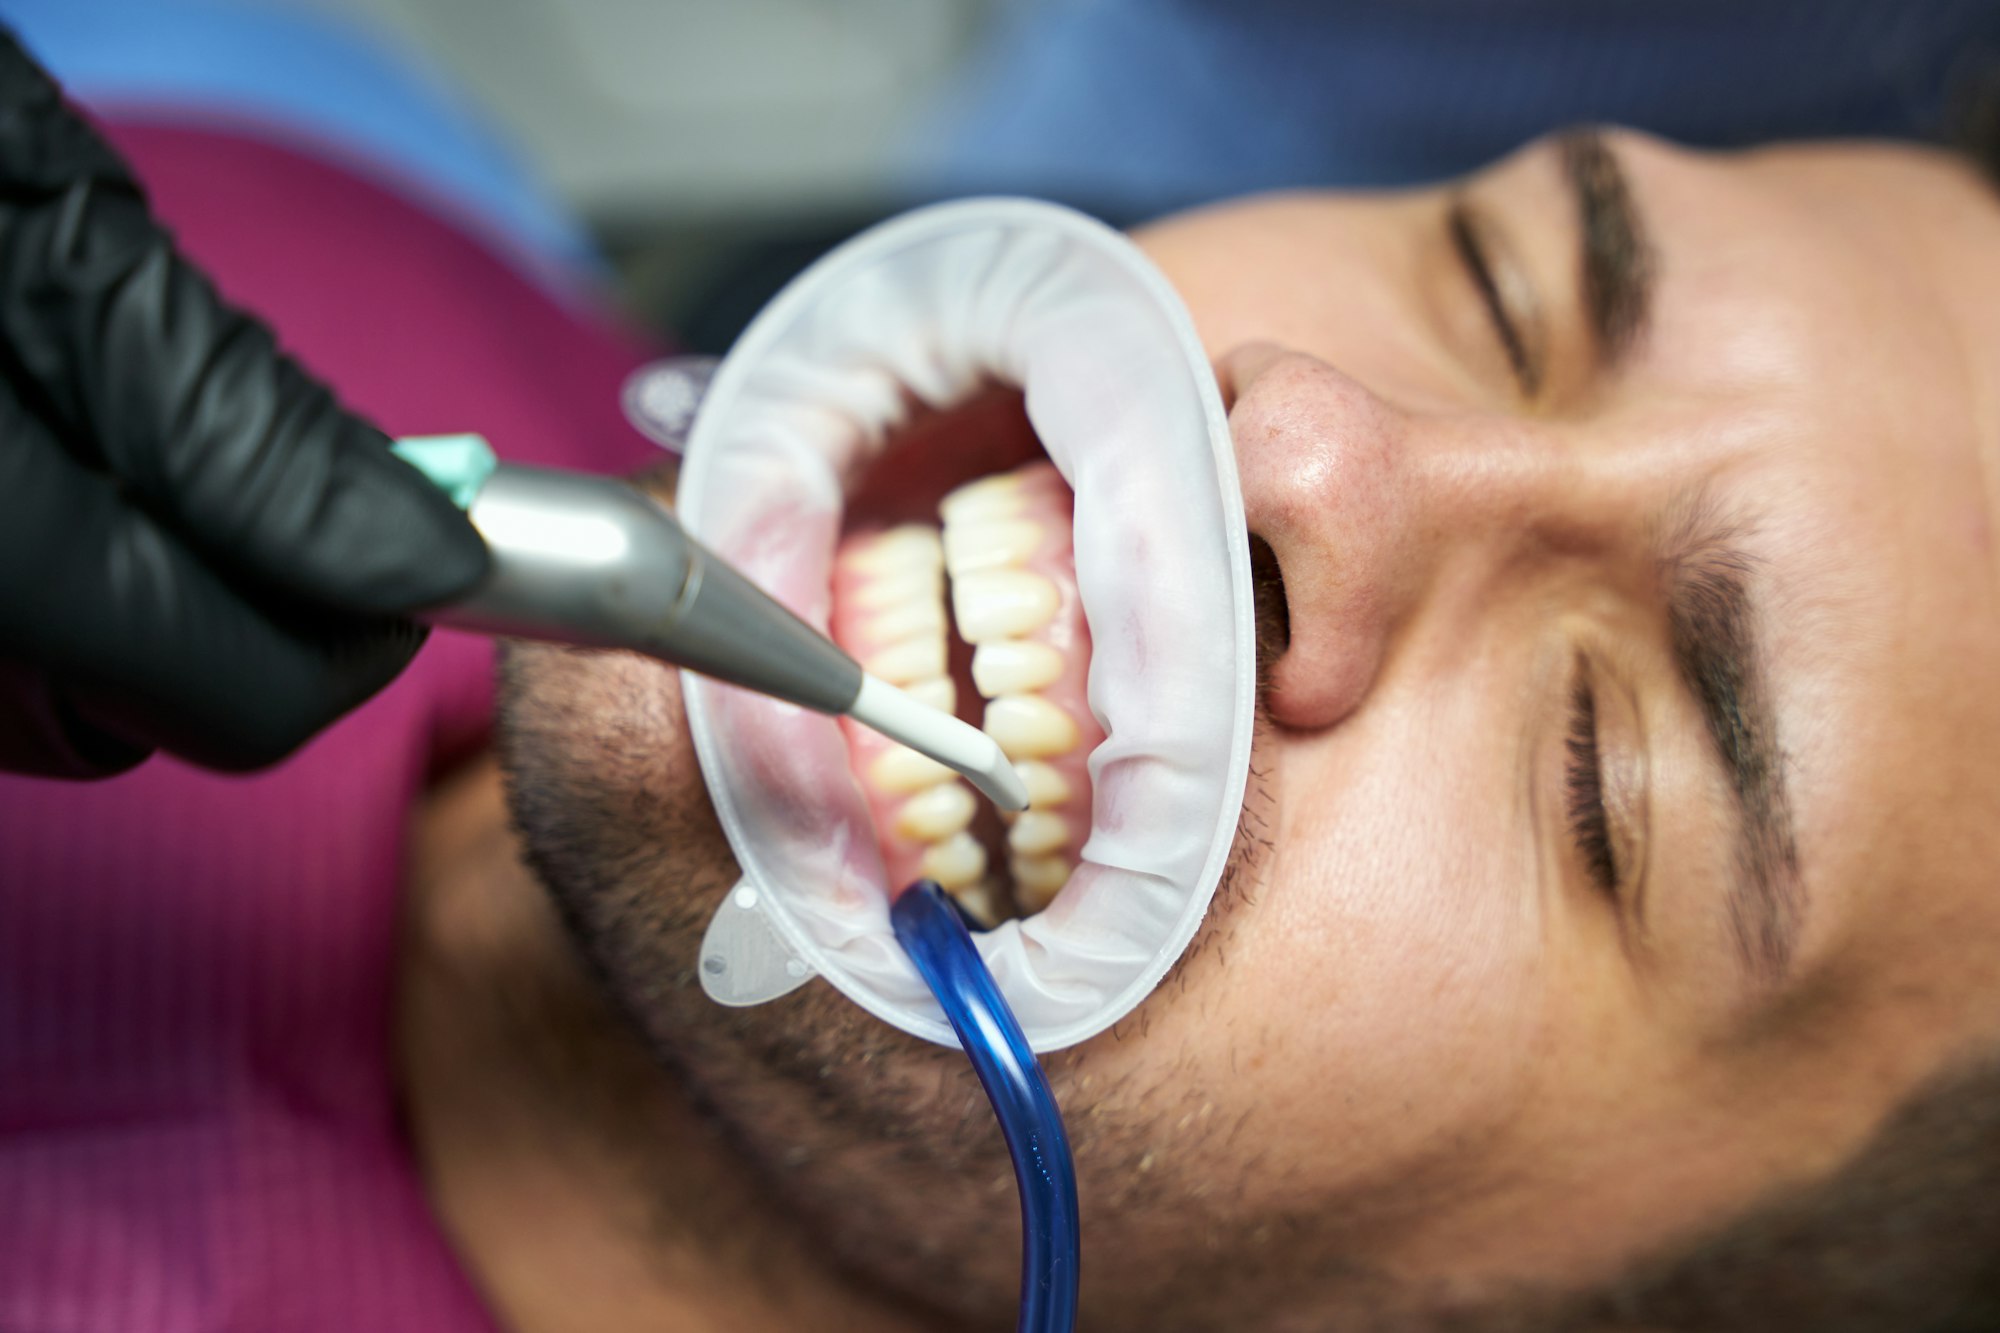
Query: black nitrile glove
{"points": [[200, 551]]}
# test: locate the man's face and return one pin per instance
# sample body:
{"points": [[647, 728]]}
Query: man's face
{"points": [[1622, 850]]}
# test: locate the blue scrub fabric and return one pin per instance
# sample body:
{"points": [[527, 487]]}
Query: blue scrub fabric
{"points": [[1136, 107], [326, 80]]}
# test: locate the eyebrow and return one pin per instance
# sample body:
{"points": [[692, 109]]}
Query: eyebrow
{"points": [[1615, 255], [1708, 579]]}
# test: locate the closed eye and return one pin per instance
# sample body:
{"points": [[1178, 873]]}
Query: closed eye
{"points": [[1468, 239], [1583, 788]]}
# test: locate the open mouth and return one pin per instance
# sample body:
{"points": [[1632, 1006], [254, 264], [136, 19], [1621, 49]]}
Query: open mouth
{"points": [[960, 587], [855, 457]]}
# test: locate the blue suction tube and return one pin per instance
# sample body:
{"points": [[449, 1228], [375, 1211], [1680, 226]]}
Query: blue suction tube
{"points": [[931, 932]]}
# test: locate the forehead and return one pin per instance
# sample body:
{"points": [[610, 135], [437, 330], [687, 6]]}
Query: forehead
{"points": [[1779, 263]]}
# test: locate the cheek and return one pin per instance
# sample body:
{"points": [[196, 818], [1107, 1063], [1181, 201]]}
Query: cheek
{"points": [[1387, 981], [604, 788]]}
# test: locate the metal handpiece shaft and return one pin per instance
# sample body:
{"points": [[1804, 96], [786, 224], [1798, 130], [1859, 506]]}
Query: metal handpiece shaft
{"points": [[588, 560]]}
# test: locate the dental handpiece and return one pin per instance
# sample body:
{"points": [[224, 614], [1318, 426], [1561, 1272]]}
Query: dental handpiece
{"points": [[589, 560]]}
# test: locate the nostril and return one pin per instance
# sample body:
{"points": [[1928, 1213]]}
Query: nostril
{"points": [[1331, 483], [1239, 367], [1274, 617]]}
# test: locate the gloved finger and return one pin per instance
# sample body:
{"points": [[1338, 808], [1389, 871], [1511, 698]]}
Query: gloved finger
{"points": [[140, 367], [149, 643], [42, 735]]}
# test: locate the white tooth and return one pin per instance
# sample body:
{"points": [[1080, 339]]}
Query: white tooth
{"points": [[911, 548], [989, 497], [989, 544], [1037, 880], [938, 813], [940, 694], [890, 591], [910, 660], [1037, 833], [954, 863], [1014, 666], [1027, 726], [1001, 604], [900, 771], [925, 616], [1046, 787], [982, 902]]}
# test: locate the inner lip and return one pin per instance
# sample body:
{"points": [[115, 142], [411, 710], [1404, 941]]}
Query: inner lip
{"points": [[1004, 577]]}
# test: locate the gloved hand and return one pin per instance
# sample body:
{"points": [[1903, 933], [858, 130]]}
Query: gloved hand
{"points": [[200, 551]]}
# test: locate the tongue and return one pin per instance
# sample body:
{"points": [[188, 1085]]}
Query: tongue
{"points": [[1005, 545]]}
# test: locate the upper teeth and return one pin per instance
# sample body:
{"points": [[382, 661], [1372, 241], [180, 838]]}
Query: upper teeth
{"points": [[893, 610], [902, 550], [912, 660], [1029, 726], [922, 616], [940, 694], [989, 538], [899, 590], [936, 813], [1045, 786], [989, 497], [957, 862], [1011, 666], [1001, 603], [1037, 833], [974, 544], [902, 771]]}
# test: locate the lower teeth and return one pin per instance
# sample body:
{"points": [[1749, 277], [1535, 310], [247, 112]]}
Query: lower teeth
{"points": [[1001, 539]]}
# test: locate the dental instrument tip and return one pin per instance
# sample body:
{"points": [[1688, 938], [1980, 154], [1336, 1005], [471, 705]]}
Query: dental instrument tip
{"points": [[954, 743], [996, 776]]}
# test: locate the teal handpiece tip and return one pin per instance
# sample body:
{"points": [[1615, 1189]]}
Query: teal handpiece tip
{"points": [[458, 465]]}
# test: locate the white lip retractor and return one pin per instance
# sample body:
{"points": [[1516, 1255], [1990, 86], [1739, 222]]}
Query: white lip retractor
{"points": [[925, 311]]}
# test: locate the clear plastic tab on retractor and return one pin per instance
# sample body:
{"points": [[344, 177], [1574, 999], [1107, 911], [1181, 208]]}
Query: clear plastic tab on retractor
{"points": [[744, 961]]}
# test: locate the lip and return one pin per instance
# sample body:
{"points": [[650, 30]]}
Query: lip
{"points": [[922, 314]]}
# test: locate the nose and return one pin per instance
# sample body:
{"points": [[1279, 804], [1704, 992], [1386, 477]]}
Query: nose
{"points": [[1362, 503]]}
